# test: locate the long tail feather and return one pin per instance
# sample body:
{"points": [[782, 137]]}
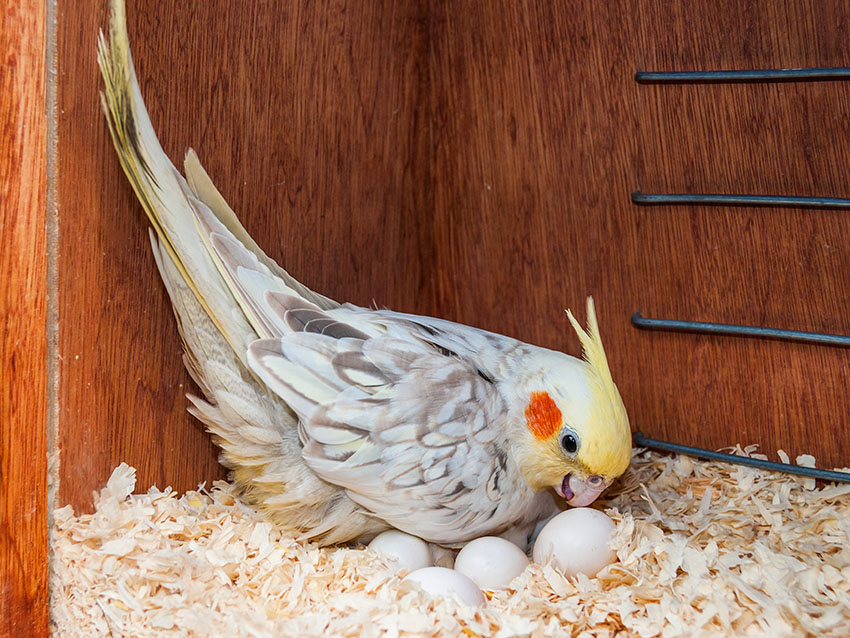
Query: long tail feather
{"points": [[211, 269], [186, 215]]}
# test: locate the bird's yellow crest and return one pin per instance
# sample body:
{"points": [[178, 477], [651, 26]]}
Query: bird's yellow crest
{"points": [[591, 345], [614, 448]]}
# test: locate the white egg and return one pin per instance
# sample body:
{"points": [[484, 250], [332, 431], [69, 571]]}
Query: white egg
{"points": [[409, 552], [576, 541], [441, 581], [491, 562]]}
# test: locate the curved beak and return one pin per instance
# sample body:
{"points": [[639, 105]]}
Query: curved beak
{"points": [[579, 493]]}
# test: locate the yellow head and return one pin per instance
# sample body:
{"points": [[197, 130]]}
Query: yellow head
{"points": [[576, 435]]}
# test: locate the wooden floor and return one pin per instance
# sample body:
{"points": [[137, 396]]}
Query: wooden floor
{"points": [[473, 161]]}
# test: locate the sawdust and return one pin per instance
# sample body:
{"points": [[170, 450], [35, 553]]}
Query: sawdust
{"points": [[703, 549]]}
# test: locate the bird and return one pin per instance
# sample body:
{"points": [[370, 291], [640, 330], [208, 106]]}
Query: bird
{"points": [[339, 421]]}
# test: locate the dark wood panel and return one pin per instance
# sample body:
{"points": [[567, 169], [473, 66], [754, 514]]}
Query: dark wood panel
{"points": [[23, 435], [310, 117], [475, 162], [542, 134]]}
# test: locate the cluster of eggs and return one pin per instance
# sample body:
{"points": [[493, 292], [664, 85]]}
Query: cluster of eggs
{"points": [[574, 541]]}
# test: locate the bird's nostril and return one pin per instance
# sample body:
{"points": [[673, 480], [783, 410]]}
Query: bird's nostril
{"points": [[595, 480]]}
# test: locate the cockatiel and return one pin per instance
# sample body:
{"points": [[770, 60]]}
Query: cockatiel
{"points": [[340, 421]]}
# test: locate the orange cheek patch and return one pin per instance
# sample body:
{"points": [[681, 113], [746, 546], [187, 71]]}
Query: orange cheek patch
{"points": [[542, 416]]}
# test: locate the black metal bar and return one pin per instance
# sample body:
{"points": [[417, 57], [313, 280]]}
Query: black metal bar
{"points": [[739, 200], [732, 330], [745, 75], [787, 468]]}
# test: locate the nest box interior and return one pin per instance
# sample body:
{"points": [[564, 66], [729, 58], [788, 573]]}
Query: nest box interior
{"points": [[469, 161]]}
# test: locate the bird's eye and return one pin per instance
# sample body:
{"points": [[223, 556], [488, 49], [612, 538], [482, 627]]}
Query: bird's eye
{"points": [[569, 442]]}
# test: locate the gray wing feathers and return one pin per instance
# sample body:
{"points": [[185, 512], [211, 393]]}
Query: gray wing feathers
{"points": [[395, 418], [299, 315]]}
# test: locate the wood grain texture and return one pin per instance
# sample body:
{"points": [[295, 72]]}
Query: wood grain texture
{"points": [[310, 118], [23, 433], [545, 134], [473, 161]]}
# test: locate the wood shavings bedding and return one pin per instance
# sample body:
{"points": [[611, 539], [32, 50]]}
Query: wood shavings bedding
{"points": [[704, 549]]}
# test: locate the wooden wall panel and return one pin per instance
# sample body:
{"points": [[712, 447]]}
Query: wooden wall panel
{"points": [[23, 434], [473, 161], [541, 134], [310, 117]]}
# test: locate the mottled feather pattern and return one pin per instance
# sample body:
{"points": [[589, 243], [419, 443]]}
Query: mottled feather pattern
{"points": [[409, 420]]}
